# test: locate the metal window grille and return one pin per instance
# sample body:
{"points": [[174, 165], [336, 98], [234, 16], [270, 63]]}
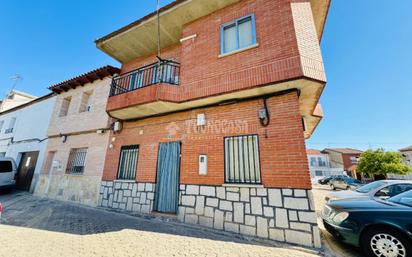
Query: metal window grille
{"points": [[242, 163], [77, 158], [128, 162]]}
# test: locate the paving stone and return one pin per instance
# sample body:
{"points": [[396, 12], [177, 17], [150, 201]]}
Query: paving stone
{"points": [[276, 234], [225, 205], [250, 220], [287, 191], [140, 187], [181, 213], [232, 189], [221, 192], [192, 189], [281, 218], [231, 196], [275, 197], [298, 237], [191, 219], [256, 205], [244, 194], [205, 221], [218, 222], [188, 200], [207, 191], [209, 212], [261, 192], [300, 193], [293, 215], [268, 211], [214, 202], [247, 230], [238, 212], [300, 226], [296, 203], [316, 237], [149, 187], [231, 227], [262, 227], [309, 217], [229, 216], [200, 205]]}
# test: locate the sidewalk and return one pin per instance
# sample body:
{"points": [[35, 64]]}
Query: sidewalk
{"points": [[32, 226]]}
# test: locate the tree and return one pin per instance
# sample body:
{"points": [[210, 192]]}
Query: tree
{"points": [[380, 162]]}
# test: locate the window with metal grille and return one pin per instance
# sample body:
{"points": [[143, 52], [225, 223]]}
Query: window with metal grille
{"points": [[128, 162], [242, 163], [77, 158]]}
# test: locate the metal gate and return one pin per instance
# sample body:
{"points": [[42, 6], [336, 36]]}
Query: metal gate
{"points": [[167, 182]]}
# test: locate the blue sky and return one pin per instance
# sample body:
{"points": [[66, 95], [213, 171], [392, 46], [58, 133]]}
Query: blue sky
{"points": [[366, 48]]}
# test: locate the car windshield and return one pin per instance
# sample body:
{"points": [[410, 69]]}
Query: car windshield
{"points": [[405, 198], [369, 187]]}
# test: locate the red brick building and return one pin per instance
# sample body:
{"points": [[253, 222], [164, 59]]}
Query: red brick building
{"points": [[214, 130]]}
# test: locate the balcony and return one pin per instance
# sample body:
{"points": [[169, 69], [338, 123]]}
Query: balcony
{"points": [[155, 73]]}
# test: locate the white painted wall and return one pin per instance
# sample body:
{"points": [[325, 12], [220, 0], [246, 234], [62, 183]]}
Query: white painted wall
{"points": [[326, 169], [32, 123]]}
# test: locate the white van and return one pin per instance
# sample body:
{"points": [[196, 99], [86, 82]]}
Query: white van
{"points": [[8, 171]]}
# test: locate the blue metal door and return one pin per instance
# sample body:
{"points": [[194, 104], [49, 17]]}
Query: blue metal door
{"points": [[167, 182]]}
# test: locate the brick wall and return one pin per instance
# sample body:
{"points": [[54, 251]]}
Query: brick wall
{"points": [[280, 54], [282, 149]]}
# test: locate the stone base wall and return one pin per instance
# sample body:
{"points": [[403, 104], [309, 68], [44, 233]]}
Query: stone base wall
{"points": [[76, 188], [127, 195], [285, 215]]}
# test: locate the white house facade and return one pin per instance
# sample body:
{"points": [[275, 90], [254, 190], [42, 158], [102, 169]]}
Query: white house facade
{"points": [[320, 165], [23, 136]]}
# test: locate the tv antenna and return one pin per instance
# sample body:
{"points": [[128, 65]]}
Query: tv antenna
{"points": [[16, 78]]}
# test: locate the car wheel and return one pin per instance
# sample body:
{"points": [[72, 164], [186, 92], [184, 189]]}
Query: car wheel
{"points": [[348, 188], [332, 187], [385, 242]]}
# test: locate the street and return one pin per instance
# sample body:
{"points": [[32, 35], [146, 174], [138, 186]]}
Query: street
{"points": [[33, 226]]}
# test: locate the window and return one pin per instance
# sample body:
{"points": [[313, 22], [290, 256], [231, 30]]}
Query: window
{"points": [[65, 106], [1, 125], [321, 162], [312, 161], [354, 159], [86, 105], [77, 158], [6, 166], [393, 190], [128, 162], [318, 173], [11, 126], [242, 159], [237, 34]]}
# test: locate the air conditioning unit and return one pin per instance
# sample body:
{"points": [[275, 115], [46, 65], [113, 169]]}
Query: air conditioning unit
{"points": [[117, 126]]}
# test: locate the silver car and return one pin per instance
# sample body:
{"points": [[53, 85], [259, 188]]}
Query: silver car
{"points": [[382, 189], [8, 171]]}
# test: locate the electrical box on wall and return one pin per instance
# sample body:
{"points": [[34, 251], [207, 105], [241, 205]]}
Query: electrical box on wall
{"points": [[203, 164]]}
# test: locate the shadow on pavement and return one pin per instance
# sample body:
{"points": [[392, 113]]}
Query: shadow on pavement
{"points": [[25, 210]]}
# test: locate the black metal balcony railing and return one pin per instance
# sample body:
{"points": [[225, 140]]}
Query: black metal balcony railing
{"points": [[158, 72]]}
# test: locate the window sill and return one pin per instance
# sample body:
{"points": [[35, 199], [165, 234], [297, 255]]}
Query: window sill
{"points": [[243, 185], [125, 180], [238, 50]]}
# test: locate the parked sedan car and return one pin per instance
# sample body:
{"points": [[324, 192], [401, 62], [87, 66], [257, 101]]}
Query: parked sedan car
{"points": [[383, 189], [344, 183], [8, 171], [382, 228], [326, 180]]}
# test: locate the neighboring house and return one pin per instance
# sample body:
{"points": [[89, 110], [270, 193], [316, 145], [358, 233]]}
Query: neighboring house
{"points": [[214, 131], [320, 166], [347, 158], [78, 138], [15, 98], [23, 136], [407, 158]]}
